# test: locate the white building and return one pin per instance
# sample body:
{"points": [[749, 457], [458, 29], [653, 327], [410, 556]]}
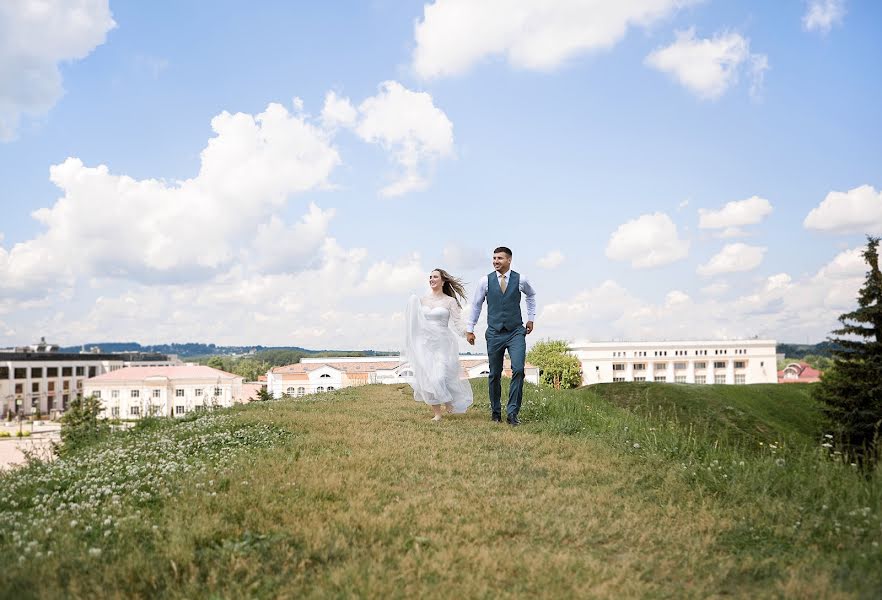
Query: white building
{"points": [[315, 375], [42, 379], [699, 362], [133, 392]]}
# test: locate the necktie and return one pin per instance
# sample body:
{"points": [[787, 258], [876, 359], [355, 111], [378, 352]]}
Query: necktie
{"points": [[502, 283]]}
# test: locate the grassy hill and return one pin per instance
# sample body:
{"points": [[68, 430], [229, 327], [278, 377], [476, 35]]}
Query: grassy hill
{"points": [[357, 493], [745, 414]]}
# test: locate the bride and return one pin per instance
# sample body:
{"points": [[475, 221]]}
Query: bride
{"points": [[431, 348]]}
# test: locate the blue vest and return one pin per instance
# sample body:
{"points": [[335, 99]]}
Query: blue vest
{"points": [[504, 310]]}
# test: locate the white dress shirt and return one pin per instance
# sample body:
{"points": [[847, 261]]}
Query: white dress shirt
{"points": [[481, 294]]}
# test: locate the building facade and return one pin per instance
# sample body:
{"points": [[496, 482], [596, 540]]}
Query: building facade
{"points": [[799, 372], [135, 392], [697, 362], [42, 380], [316, 375]]}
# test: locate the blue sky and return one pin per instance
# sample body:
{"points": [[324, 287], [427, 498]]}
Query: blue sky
{"points": [[288, 173]]}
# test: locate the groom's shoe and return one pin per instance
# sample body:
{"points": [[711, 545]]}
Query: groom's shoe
{"points": [[513, 421], [496, 418]]}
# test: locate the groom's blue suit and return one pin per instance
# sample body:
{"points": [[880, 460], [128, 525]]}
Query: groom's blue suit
{"points": [[505, 329]]}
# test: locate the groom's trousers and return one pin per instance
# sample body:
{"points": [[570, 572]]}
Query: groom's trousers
{"points": [[516, 343]]}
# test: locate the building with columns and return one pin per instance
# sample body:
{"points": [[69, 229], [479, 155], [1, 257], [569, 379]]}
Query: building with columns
{"points": [[134, 392], [697, 362]]}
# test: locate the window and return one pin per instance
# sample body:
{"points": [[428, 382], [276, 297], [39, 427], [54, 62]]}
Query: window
{"points": [[114, 393], [19, 388], [320, 389], [179, 393], [36, 372], [35, 386], [323, 375], [618, 366], [51, 385], [21, 373], [4, 372], [96, 394], [136, 393], [197, 392], [719, 379], [330, 388], [92, 372], [640, 379], [157, 393], [64, 400], [301, 391], [680, 366], [660, 379], [700, 379], [739, 364], [740, 379], [660, 366], [65, 385], [52, 372], [639, 366], [719, 364], [79, 384], [134, 411], [179, 410], [81, 371], [290, 391], [701, 365], [680, 379], [618, 379], [218, 391], [114, 411]]}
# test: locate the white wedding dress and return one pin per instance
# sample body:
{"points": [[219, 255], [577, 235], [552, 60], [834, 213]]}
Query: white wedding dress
{"points": [[431, 349]]}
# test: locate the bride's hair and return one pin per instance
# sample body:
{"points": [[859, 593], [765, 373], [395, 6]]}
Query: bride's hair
{"points": [[453, 286]]}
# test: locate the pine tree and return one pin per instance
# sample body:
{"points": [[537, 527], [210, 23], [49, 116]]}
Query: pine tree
{"points": [[852, 390]]}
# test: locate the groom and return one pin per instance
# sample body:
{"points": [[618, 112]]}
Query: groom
{"points": [[505, 329]]}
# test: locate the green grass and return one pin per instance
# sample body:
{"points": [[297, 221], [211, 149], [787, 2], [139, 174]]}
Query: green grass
{"points": [[604, 492], [745, 414]]}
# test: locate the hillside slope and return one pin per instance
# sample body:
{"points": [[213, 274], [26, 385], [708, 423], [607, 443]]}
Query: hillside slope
{"points": [[358, 493]]}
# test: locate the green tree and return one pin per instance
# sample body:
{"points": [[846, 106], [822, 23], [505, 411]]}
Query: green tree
{"points": [[852, 390], [557, 367], [216, 362], [80, 425], [263, 395]]}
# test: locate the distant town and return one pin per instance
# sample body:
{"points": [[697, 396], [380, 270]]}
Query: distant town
{"points": [[132, 380]]}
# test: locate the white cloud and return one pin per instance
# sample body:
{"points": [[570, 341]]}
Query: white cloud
{"points": [[552, 260], [35, 37], [602, 304], [456, 34], [412, 128], [464, 258], [278, 247], [709, 67], [406, 275], [717, 288], [822, 15], [779, 307], [650, 240], [338, 111], [152, 230], [734, 215], [733, 258], [858, 210]]}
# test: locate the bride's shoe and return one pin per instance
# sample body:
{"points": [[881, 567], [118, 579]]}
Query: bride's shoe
{"points": [[436, 418]]}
